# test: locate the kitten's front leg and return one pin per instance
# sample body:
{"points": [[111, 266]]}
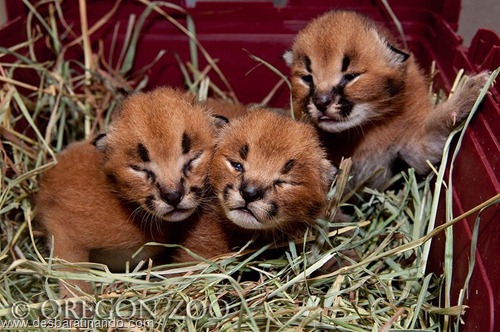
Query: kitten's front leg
{"points": [[67, 249], [428, 144]]}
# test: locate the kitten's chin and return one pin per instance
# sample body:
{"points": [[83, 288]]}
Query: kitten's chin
{"points": [[163, 211], [332, 126], [332, 123], [246, 219], [177, 215]]}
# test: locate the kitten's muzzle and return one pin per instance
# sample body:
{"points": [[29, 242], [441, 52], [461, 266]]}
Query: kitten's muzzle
{"points": [[322, 101], [251, 193], [172, 197]]}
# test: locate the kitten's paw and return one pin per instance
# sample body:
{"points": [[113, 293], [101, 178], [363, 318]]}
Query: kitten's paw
{"points": [[464, 98]]}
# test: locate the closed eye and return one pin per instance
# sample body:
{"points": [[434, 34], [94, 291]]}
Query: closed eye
{"points": [[280, 183], [189, 164], [135, 168], [151, 176], [349, 77]]}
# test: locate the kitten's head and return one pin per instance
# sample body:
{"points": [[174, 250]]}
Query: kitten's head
{"points": [[345, 71], [157, 152], [269, 172]]}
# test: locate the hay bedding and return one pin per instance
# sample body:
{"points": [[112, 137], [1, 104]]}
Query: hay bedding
{"points": [[380, 283]]}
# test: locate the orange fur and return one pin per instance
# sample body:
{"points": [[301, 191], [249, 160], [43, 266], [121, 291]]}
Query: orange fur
{"points": [[148, 171], [225, 108], [270, 178], [370, 100], [220, 107]]}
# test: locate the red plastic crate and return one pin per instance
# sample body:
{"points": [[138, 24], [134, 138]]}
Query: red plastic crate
{"points": [[226, 29]]}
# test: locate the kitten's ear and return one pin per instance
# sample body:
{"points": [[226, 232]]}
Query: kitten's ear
{"points": [[191, 98], [117, 112], [126, 102], [288, 57], [220, 121], [100, 142], [397, 54], [394, 55]]}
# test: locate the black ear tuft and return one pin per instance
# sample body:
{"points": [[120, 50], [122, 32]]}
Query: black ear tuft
{"points": [[100, 142], [220, 121], [402, 56], [394, 55]]}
